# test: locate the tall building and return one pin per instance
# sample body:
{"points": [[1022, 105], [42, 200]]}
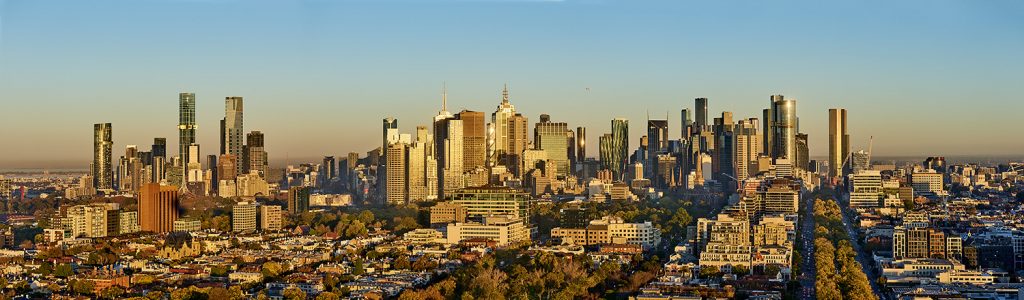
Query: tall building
{"points": [[500, 137], [186, 123], [233, 129], [102, 150], [243, 217], [838, 141], [700, 113], [474, 139], [685, 124], [270, 217], [766, 129], [396, 183], [747, 148], [416, 166], [550, 137], [803, 156], [390, 132], [657, 137], [159, 159], [619, 146], [330, 168], [516, 143], [298, 199], [784, 128], [256, 158], [722, 154], [581, 143], [158, 207]]}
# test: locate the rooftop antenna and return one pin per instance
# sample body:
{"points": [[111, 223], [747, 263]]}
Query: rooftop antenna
{"points": [[444, 96]]}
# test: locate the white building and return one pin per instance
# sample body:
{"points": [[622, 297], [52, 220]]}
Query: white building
{"points": [[503, 229]]}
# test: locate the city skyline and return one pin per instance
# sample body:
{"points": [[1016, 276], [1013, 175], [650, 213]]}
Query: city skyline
{"points": [[593, 77]]}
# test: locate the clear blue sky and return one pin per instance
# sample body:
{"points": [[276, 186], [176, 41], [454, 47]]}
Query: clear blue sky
{"points": [[923, 77]]}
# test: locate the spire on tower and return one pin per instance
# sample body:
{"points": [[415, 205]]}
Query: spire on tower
{"points": [[444, 96], [504, 94]]}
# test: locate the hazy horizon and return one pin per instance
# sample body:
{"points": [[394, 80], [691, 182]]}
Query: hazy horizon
{"points": [[925, 78]]}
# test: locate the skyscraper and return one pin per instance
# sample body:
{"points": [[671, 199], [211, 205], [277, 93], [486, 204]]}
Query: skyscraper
{"points": [[701, 113], [186, 127], [615, 147], [389, 134], [783, 128], [396, 184], [517, 142], [448, 140], [748, 147], [256, 156], [500, 135], [838, 141], [158, 207], [159, 159], [685, 124], [330, 168], [102, 150], [581, 143], [474, 135], [233, 129], [551, 138], [298, 199], [803, 156]]}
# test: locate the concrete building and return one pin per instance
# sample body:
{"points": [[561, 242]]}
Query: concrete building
{"points": [[158, 207], [502, 229], [243, 217], [610, 230], [270, 217]]}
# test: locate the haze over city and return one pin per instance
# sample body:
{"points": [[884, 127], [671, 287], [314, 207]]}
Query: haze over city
{"points": [[922, 77]]}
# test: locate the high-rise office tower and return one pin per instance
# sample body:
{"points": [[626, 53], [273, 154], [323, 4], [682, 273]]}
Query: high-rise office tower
{"points": [[102, 156], [214, 178], [416, 166], [722, 166], [838, 141], [186, 128], [223, 137], [516, 143], [159, 159], [195, 165], [701, 113], [657, 143], [330, 168], [615, 147], [748, 148], [474, 135], [803, 155], [397, 188], [256, 154], [233, 130], [784, 128], [551, 138], [570, 137], [657, 137], [766, 129], [685, 124], [226, 167], [448, 140], [581, 143], [158, 207], [298, 199], [389, 134], [500, 120]]}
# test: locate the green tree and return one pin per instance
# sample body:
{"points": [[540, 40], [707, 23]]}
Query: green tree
{"points": [[327, 296], [271, 269], [293, 293], [113, 292]]}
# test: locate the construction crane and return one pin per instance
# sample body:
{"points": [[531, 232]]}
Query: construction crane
{"points": [[871, 144]]}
